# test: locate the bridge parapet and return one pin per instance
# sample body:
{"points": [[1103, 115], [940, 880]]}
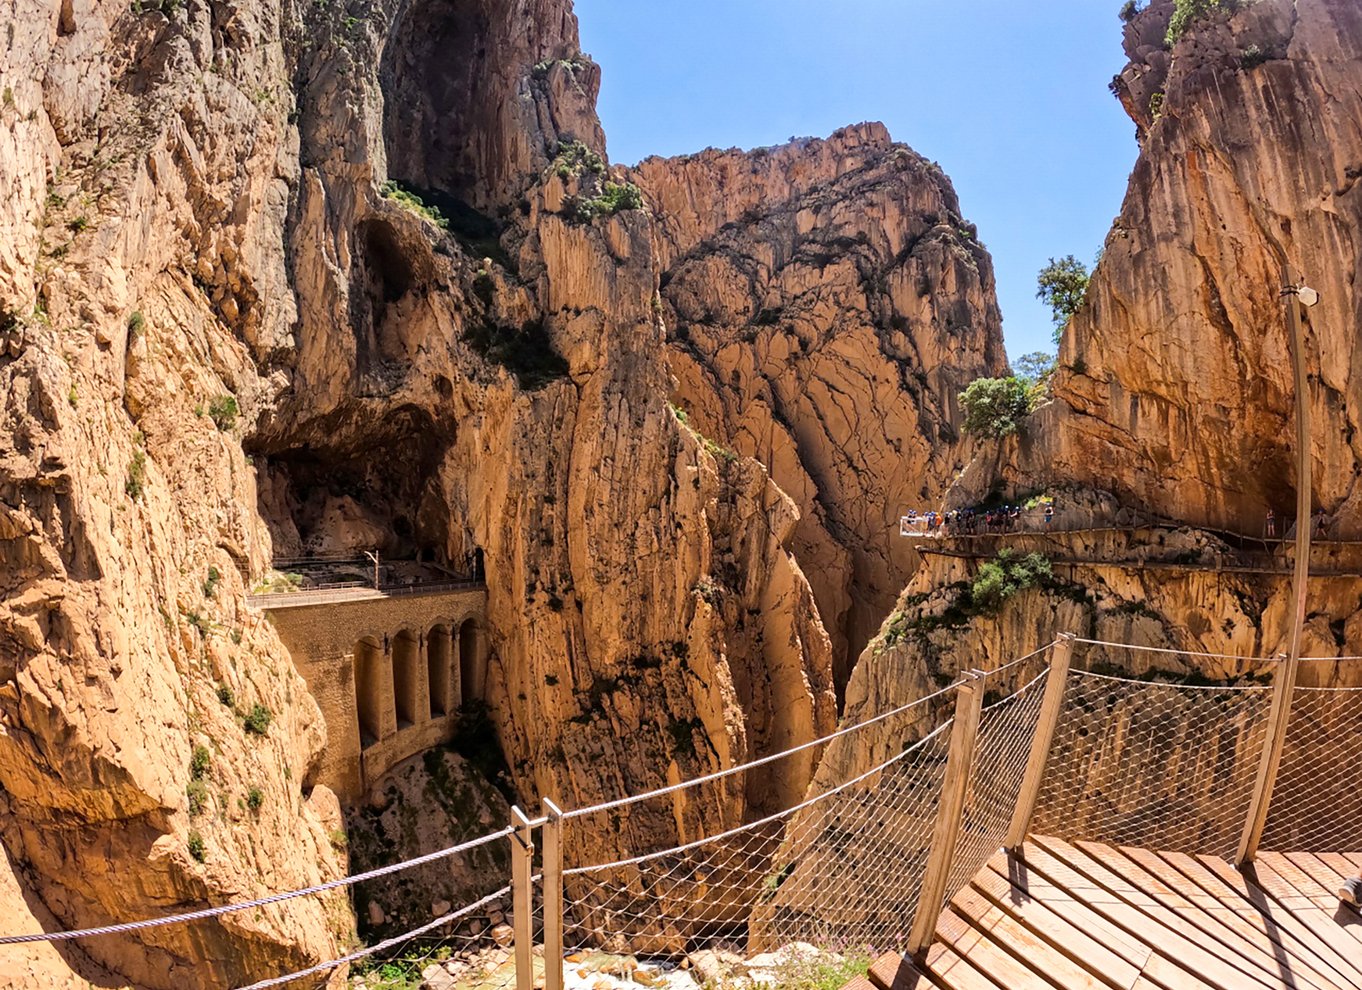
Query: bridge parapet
{"points": [[389, 670]]}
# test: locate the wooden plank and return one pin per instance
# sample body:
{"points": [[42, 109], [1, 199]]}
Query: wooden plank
{"points": [[1172, 897], [1128, 909], [1322, 912], [1038, 887], [974, 945], [1059, 933], [1321, 872], [1118, 922], [942, 970], [1254, 886], [1296, 886], [1259, 910], [1012, 936]]}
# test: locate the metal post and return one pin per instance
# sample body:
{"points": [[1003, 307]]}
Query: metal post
{"points": [[951, 805], [1050, 707], [374, 557], [522, 898], [1284, 679], [553, 896]]}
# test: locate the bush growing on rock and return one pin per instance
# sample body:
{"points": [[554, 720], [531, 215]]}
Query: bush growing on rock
{"points": [[1063, 285], [1188, 12], [1006, 575], [995, 407], [197, 848], [257, 720], [223, 412]]}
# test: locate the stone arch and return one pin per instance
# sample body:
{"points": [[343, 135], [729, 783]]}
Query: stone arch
{"points": [[409, 677], [472, 661], [373, 692], [441, 670]]}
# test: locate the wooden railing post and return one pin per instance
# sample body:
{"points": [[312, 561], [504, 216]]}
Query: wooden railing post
{"points": [[950, 807], [1288, 669], [522, 898], [1050, 707], [1279, 717], [553, 896]]}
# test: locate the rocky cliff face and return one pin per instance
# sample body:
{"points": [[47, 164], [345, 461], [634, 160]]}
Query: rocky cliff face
{"points": [[1175, 388], [825, 304], [222, 340], [1174, 397]]}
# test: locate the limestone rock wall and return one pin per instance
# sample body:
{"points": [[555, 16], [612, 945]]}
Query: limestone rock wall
{"points": [[825, 304], [192, 213], [1175, 387]]}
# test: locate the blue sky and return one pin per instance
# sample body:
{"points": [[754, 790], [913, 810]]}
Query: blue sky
{"points": [[1011, 98]]}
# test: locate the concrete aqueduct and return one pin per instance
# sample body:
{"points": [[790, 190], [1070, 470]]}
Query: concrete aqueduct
{"points": [[388, 671]]}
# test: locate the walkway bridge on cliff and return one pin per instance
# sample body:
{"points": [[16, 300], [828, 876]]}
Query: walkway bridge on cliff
{"points": [[1034, 825], [391, 652]]}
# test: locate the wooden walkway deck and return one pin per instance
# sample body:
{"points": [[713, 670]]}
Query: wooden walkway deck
{"points": [[1094, 917]]}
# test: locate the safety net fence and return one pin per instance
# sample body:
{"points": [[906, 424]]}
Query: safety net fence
{"points": [[735, 862]]}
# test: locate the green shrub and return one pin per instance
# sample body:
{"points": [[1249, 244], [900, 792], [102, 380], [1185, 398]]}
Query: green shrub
{"points": [[405, 197], [199, 762], [73, 396], [1253, 56], [197, 791], [223, 412], [1188, 12], [197, 848], [136, 323], [226, 696], [1063, 286], [1129, 9], [137, 473], [1156, 101], [255, 797], [210, 584], [78, 224], [1006, 575], [613, 198], [257, 720], [995, 407], [575, 158]]}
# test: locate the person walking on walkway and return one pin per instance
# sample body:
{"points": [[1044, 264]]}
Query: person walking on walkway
{"points": [[1321, 525], [1049, 514], [1271, 523], [1351, 891]]}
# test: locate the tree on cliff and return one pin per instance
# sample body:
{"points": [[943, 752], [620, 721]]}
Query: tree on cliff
{"points": [[995, 407], [1062, 285]]}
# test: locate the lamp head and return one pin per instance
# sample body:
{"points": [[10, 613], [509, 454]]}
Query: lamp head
{"points": [[1308, 296]]}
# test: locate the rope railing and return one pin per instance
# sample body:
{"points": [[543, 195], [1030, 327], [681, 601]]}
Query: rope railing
{"points": [[868, 859]]}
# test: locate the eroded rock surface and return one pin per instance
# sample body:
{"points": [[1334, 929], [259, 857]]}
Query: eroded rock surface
{"points": [[825, 304]]}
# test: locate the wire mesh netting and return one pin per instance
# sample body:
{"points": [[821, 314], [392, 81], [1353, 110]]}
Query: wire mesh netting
{"points": [[836, 870], [1163, 766], [1006, 730], [1317, 801]]}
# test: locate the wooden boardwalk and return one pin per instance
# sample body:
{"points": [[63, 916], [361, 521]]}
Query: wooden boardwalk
{"points": [[1095, 917]]}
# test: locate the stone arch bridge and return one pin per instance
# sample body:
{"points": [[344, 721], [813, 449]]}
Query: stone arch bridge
{"points": [[389, 670]]}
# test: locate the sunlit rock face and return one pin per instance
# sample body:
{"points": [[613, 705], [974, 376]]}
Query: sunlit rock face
{"points": [[193, 211], [825, 304], [1175, 387]]}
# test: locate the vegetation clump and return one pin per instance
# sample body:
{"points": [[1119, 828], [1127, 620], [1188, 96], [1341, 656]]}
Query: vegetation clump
{"points": [[405, 197], [614, 198], [199, 762], [996, 407], [137, 474], [223, 411], [1063, 286], [1188, 12], [257, 720], [1006, 575], [197, 847]]}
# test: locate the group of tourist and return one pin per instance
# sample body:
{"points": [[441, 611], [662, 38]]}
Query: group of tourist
{"points": [[970, 522]]}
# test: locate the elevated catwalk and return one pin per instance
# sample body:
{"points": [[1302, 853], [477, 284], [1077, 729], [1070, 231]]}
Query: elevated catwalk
{"points": [[1090, 917]]}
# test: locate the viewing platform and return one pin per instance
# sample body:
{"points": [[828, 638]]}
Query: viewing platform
{"points": [[1091, 915], [391, 661]]}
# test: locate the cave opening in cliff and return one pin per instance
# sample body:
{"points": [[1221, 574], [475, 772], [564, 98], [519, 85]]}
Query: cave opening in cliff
{"points": [[356, 484]]}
